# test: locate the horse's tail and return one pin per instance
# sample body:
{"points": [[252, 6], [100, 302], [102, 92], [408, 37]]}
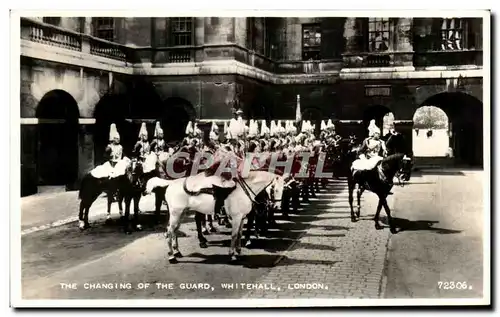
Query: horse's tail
{"points": [[156, 182]]}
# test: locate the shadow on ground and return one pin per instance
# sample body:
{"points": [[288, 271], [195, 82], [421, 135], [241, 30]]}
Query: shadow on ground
{"points": [[418, 225]]}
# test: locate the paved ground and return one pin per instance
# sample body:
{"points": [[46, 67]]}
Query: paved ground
{"points": [[318, 253], [319, 239], [442, 212]]}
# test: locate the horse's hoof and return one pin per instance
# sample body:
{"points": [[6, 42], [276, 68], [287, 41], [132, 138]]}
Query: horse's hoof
{"points": [[205, 231], [138, 228], [394, 230], [173, 260], [178, 254], [378, 227], [213, 230], [353, 219], [234, 258]]}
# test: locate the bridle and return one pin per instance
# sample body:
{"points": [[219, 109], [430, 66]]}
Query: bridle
{"points": [[400, 174]]}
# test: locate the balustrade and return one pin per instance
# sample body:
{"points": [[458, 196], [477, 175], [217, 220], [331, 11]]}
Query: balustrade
{"points": [[48, 34]]}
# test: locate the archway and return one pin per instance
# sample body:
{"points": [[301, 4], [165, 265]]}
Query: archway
{"points": [[57, 157], [111, 109], [377, 113], [176, 115], [465, 114], [430, 132]]}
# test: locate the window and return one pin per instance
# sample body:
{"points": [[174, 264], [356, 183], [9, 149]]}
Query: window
{"points": [[311, 42], [378, 34], [452, 34], [52, 20], [182, 31], [104, 28]]}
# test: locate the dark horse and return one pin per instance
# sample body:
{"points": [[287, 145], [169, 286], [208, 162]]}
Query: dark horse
{"points": [[128, 186], [379, 181]]}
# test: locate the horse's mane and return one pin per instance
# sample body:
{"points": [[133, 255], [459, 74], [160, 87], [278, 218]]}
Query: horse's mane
{"points": [[393, 157]]}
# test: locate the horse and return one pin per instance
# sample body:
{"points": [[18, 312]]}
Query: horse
{"points": [[91, 187], [196, 193], [373, 180]]}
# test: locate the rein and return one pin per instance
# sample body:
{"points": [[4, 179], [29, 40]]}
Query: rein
{"points": [[248, 191]]}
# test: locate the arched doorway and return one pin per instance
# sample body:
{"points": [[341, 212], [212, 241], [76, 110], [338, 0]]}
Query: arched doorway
{"points": [[57, 157], [110, 109], [314, 115], [465, 115], [176, 115], [377, 113], [431, 136]]}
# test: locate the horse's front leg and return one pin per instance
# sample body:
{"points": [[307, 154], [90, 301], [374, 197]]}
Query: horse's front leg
{"points": [[351, 186], [359, 192], [171, 234], [250, 227], [377, 215], [109, 197], [175, 244], [137, 199], [238, 239], [120, 203], [389, 217], [198, 217], [82, 215]]}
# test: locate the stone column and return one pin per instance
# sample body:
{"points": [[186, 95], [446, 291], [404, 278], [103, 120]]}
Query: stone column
{"points": [[405, 127], [87, 26], [85, 152], [351, 34], [403, 42]]}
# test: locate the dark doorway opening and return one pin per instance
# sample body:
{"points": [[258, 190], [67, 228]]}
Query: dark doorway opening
{"points": [[57, 159], [177, 112]]}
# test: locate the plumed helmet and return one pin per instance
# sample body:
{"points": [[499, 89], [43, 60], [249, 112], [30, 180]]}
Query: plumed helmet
{"points": [[158, 129], [372, 128], [264, 129], [113, 132], [189, 128], [143, 130]]}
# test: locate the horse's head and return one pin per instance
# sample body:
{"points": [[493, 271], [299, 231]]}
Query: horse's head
{"points": [[135, 174], [399, 165], [406, 167], [275, 191]]}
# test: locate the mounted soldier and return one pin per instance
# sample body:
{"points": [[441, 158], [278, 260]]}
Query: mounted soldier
{"points": [[158, 145], [372, 149], [142, 148], [371, 152], [114, 154]]}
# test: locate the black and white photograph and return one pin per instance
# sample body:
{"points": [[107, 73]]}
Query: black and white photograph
{"points": [[250, 159]]}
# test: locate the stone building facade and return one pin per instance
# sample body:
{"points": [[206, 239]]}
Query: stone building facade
{"points": [[78, 75]]}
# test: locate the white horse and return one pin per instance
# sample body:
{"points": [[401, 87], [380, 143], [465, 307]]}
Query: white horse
{"points": [[190, 194]]}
